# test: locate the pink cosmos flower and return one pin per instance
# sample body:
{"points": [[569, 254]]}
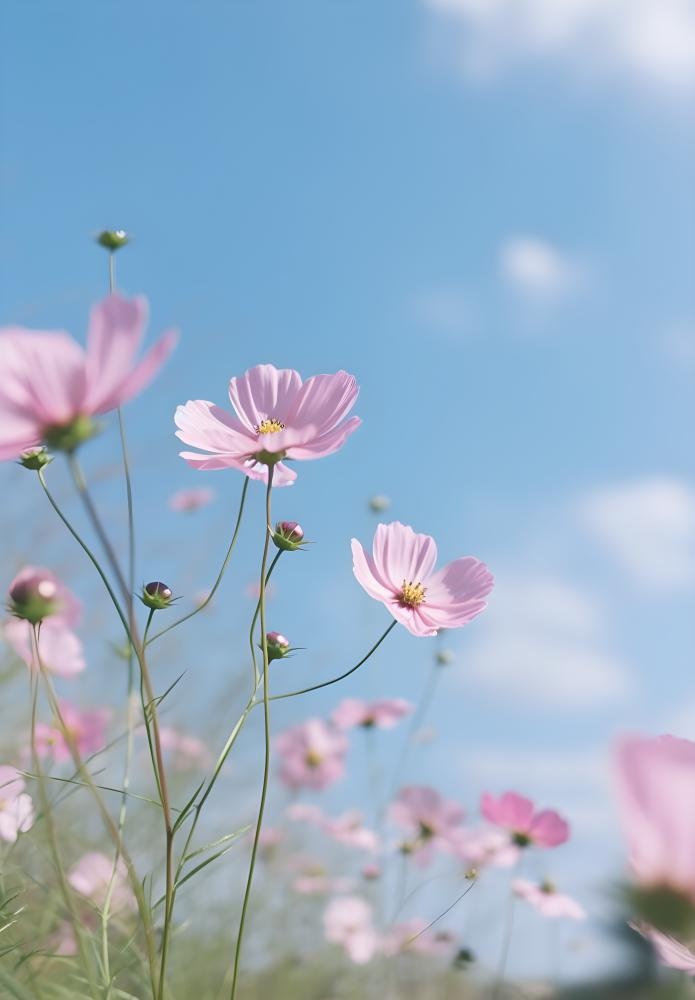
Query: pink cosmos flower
{"points": [[656, 794], [87, 729], [348, 828], [277, 417], [484, 847], [382, 714], [670, 951], [91, 877], [430, 821], [347, 921], [312, 755], [48, 381], [190, 500], [187, 752], [515, 813], [400, 573], [16, 806], [59, 648], [412, 936], [547, 900]]}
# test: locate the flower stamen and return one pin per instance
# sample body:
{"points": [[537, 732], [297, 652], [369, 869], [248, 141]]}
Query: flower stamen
{"points": [[269, 426], [412, 594]]}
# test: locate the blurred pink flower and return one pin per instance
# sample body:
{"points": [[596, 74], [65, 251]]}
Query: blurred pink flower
{"points": [[656, 795], [430, 821], [91, 877], [547, 900], [348, 828], [413, 936], [48, 381], [16, 806], [515, 813], [87, 729], [383, 714], [670, 951], [190, 500], [371, 872], [59, 601], [186, 751], [484, 846], [312, 755], [400, 573], [59, 648], [63, 941], [277, 417], [347, 921], [314, 880]]}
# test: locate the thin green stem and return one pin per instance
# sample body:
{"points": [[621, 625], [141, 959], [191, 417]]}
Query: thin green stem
{"points": [[266, 730], [252, 644], [221, 573], [112, 273], [334, 680], [504, 954]]}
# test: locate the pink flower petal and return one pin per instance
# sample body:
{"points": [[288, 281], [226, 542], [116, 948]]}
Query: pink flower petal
{"points": [[264, 393]]}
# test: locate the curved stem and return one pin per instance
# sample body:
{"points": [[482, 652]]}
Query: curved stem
{"points": [[266, 724], [334, 680], [221, 573]]}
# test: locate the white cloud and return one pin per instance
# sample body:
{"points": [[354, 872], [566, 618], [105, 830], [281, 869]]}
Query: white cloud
{"points": [[649, 41], [539, 645], [649, 527], [536, 268]]}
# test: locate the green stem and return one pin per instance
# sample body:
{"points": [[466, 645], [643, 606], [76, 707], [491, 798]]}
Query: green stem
{"points": [[256, 675], [266, 730], [221, 573], [334, 680]]}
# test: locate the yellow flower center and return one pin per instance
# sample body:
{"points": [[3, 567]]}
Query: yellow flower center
{"points": [[412, 594], [313, 758], [269, 426]]}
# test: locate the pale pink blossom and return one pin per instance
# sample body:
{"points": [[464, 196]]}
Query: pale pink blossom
{"points": [[192, 499], [63, 941], [382, 714], [547, 900], [278, 417], [60, 649], [91, 877], [483, 847], [515, 813], [314, 880], [656, 794], [86, 729], [400, 573], [48, 381], [348, 828], [429, 821], [186, 751], [415, 937], [347, 921], [670, 951], [371, 872], [311, 755], [16, 806]]}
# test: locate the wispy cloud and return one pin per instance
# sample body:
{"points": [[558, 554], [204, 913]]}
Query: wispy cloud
{"points": [[537, 269], [648, 526], [651, 42], [541, 645]]}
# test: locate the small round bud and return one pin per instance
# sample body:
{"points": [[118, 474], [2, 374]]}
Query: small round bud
{"points": [[33, 597], [288, 536], [35, 459], [156, 595], [278, 645], [371, 872], [464, 957], [113, 239], [379, 503], [444, 657]]}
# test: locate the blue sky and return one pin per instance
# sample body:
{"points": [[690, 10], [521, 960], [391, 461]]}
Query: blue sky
{"points": [[493, 229]]}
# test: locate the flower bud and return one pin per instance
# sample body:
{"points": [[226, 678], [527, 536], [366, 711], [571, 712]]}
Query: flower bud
{"points": [[371, 872], [113, 239], [33, 597], [379, 503], [278, 646], [156, 595], [35, 459], [288, 536], [444, 657]]}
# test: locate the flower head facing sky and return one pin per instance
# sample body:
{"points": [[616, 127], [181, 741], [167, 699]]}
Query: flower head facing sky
{"points": [[51, 387], [429, 820], [517, 814], [277, 417], [400, 573]]}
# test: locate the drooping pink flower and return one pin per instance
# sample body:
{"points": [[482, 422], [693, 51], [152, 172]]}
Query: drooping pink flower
{"points": [[48, 382], [87, 729], [186, 751], [60, 649], [670, 951], [413, 936], [656, 795], [515, 813], [484, 847], [348, 828], [547, 900], [278, 417], [400, 573], [91, 877], [192, 499], [16, 806], [382, 714], [347, 921], [312, 755], [430, 821]]}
